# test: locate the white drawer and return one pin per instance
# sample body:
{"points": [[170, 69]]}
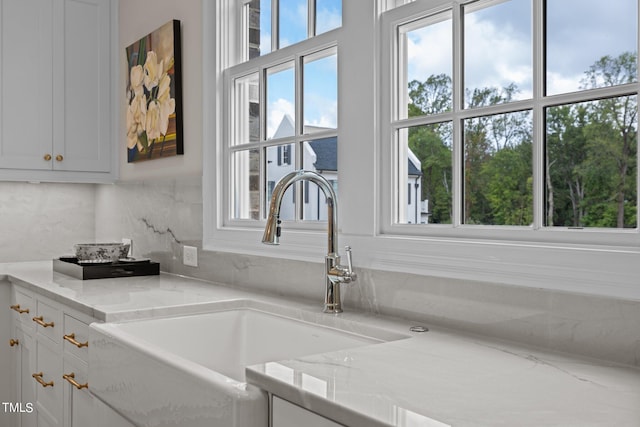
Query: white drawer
{"points": [[76, 337], [48, 321]]}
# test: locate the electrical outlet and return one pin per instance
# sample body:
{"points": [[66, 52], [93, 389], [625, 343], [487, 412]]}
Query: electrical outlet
{"points": [[190, 256]]}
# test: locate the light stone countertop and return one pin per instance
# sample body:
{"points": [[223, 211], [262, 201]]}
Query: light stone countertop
{"points": [[436, 378]]}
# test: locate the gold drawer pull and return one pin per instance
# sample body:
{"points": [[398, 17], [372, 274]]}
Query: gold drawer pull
{"points": [[47, 157], [41, 322], [71, 378], [59, 158], [38, 377], [18, 309], [13, 342], [72, 339]]}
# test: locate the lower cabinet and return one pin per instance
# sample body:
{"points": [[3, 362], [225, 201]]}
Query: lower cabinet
{"points": [[24, 363], [49, 361], [78, 402], [81, 408], [285, 414]]}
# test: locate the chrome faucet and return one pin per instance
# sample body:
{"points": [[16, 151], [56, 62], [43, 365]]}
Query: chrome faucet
{"points": [[335, 273]]}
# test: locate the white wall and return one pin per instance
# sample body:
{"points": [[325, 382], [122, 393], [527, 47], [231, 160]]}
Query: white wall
{"points": [[137, 19]]}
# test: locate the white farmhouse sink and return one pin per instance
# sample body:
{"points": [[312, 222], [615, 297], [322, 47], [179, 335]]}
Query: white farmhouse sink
{"points": [[189, 370]]}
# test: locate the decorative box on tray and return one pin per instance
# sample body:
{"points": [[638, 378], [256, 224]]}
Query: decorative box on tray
{"points": [[122, 268]]}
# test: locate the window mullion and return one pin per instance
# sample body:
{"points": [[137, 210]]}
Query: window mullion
{"points": [[311, 18], [275, 25], [458, 103], [539, 122], [299, 128], [263, 136]]}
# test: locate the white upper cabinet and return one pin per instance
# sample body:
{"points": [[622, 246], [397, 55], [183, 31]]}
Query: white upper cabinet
{"points": [[56, 82], [82, 104], [26, 68]]}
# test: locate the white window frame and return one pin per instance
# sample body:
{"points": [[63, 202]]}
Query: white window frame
{"points": [[226, 56], [537, 232], [601, 262]]}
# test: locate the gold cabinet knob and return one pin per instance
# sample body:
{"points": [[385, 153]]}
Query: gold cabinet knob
{"points": [[47, 157], [13, 342], [59, 158]]}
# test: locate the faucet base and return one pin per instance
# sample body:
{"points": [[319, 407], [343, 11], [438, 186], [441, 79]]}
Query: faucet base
{"points": [[332, 308]]}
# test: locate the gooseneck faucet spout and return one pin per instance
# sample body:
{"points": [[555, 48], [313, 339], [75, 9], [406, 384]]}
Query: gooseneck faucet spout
{"points": [[335, 273]]}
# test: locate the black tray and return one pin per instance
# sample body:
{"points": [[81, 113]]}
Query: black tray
{"points": [[70, 267]]}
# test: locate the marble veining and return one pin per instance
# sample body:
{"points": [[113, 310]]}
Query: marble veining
{"points": [[154, 230]]}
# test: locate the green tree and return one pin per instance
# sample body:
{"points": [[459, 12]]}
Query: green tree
{"points": [[510, 184], [591, 153], [485, 170], [565, 151], [434, 152], [432, 96], [613, 130], [432, 144]]}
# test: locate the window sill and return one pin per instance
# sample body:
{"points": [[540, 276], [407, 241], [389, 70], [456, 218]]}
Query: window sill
{"points": [[610, 271]]}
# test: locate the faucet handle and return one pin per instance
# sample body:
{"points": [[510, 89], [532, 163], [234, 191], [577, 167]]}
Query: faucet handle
{"points": [[347, 250], [351, 275]]}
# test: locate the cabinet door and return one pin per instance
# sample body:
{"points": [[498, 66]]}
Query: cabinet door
{"points": [[79, 408], [7, 350], [286, 414], [82, 103], [24, 365], [50, 387], [26, 84]]}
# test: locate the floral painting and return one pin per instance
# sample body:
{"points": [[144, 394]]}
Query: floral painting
{"points": [[154, 95]]}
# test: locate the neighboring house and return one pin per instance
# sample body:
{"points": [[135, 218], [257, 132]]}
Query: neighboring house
{"points": [[321, 155]]}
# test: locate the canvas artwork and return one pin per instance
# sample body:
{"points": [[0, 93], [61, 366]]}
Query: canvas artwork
{"points": [[154, 95]]}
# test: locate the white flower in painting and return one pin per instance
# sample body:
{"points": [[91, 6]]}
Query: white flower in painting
{"points": [[152, 70], [153, 120], [136, 78], [166, 103], [136, 120]]}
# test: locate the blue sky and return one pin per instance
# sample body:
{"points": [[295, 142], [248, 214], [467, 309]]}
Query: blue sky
{"points": [[498, 42], [320, 85]]}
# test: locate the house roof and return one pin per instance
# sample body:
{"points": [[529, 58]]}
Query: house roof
{"points": [[326, 150]]}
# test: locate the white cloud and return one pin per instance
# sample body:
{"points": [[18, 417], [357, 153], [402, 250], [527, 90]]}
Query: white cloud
{"points": [[429, 51], [560, 83], [327, 19], [496, 56], [277, 110], [324, 113]]}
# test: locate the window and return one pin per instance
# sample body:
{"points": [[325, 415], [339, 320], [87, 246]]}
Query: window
{"points": [[285, 101], [270, 25], [449, 168], [510, 120]]}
